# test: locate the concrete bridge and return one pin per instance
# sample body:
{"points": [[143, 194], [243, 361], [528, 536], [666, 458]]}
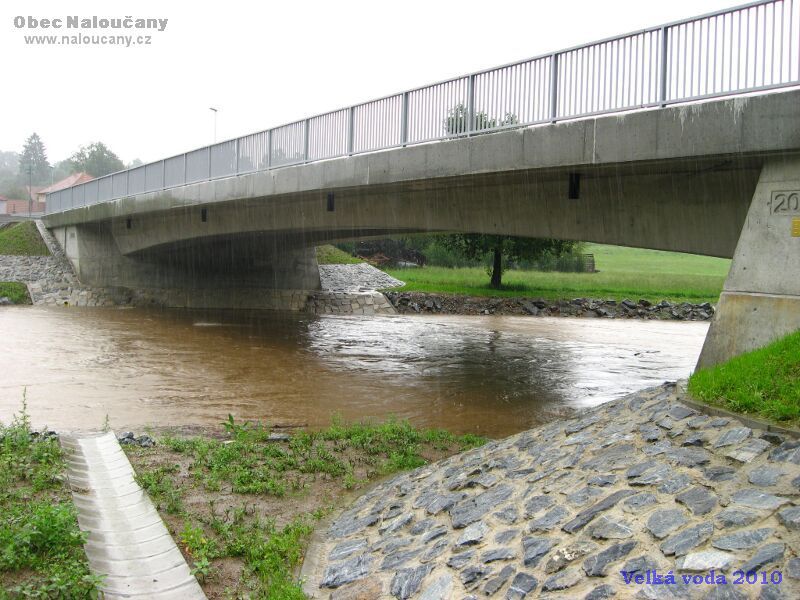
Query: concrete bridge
{"points": [[574, 145]]}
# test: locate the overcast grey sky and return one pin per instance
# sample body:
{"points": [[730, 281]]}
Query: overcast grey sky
{"points": [[267, 63]]}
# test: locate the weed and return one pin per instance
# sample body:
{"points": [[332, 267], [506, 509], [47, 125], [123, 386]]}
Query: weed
{"points": [[162, 488], [39, 534]]}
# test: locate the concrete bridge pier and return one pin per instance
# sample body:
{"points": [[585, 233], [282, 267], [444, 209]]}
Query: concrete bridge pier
{"points": [[760, 301], [255, 270]]}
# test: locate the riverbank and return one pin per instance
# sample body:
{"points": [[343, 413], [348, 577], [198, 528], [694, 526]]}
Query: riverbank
{"points": [[621, 272], [591, 507], [242, 500], [594, 506], [420, 302]]}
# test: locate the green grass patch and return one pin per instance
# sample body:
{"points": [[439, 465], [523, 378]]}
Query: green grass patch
{"points": [[16, 292], [249, 463], [555, 286], [623, 273], [41, 546], [22, 239], [331, 255], [618, 259], [263, 496], [764, 382]]}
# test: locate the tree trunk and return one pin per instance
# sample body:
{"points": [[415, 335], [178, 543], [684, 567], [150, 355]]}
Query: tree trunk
{"points": [[497, 268]]}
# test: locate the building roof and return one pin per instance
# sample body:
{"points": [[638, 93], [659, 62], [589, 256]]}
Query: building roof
{"points": [[69, 181]]}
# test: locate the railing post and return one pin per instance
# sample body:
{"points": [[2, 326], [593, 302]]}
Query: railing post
{"points": [[553, 87], [470, 104], [269, 149], [208, 148], [404, 120], [350, 130], [305, 140], [663, 67], [236, 154]]}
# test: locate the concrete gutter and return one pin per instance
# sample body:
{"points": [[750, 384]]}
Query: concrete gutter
{"points": [[128, 543]]}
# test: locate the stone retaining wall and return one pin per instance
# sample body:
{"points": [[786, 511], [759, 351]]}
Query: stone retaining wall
{"points": [[349, 303], [50, 281]]}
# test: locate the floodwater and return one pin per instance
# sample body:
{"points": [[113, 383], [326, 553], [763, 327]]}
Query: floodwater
{"points": [[490, 375]]}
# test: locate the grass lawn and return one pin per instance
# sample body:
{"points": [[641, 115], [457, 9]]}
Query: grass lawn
{"points": [[623, 273], [16, 292], [764, 383], [242, 506], [331, 255], [22, 239], [41, 546]]}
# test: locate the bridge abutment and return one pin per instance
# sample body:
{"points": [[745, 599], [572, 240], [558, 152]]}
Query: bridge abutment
{"points": [[760, 301], [259, 273]]}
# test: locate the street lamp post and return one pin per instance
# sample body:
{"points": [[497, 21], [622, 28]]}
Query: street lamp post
{"points": [[30, 189], [214, 110]]}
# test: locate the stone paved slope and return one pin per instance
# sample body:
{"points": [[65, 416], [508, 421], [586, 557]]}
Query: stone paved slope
{"points": [[361, 277], [639, 484]]}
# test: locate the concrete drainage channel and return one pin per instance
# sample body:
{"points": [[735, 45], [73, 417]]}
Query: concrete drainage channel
{"points": [[128, 542]]}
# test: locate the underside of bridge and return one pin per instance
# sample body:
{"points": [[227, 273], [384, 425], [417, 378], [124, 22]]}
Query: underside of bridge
{"points": [[723, 187]]}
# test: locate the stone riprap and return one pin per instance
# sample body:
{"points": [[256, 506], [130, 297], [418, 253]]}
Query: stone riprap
{"points": [[423, 302], [640, 484], [358, 277]]}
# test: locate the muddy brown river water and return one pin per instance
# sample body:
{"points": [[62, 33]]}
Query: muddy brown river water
{"points": [[489, 375]]}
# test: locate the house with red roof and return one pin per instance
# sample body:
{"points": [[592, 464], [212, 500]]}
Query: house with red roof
{"points": [[68, 181]]}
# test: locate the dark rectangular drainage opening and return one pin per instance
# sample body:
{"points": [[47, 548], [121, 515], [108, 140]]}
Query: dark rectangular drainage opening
{"points": [[574, 186], [330, 201], [127, 223], [204, 214]]}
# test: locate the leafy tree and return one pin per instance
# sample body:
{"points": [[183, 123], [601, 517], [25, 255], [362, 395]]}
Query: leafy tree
{"points": [[95, 159], [33, 164], [62, 169], [9, 163], [458, 119], [476, 245], [11, 189]]}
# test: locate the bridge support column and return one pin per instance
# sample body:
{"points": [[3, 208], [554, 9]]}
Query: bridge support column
{"points": [[259, 274], [760, 301]]}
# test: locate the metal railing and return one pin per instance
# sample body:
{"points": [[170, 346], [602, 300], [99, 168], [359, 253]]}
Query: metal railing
{"points": [[744, 49]]}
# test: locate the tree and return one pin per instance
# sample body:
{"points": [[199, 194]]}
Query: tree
{"points": [[96, 160], [458, 119], [33, 165], [476, 245]]}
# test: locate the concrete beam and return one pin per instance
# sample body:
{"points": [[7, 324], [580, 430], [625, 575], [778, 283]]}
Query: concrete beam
{"points": [[739, 127]]}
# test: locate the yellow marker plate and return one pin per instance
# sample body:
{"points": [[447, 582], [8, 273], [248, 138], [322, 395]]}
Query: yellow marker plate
{"points": [[795, 227]]}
